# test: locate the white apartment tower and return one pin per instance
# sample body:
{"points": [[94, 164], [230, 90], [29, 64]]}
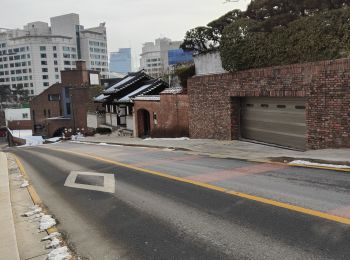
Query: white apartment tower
{"points": [[154, 56], [33, 57]]}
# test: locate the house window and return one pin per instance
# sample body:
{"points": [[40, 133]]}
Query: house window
{"points": [[68, 108], [25, 115], [42, 48], [54, 97], [155, 118]]}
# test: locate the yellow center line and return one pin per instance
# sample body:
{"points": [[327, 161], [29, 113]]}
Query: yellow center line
{"points": [[291, 207]]}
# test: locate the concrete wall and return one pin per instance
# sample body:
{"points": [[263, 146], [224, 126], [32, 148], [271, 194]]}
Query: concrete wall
{"points": [[209, 63], [215, 108]]}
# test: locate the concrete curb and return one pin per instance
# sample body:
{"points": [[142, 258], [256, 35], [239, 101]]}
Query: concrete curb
{"points": [[267, 160], [8, 245], [137, 145]]}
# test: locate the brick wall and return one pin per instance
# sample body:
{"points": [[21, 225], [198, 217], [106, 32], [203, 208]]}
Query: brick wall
{"points": [[19, 124], [173, 115], [215, 100], [171, 112], [40, 107]]}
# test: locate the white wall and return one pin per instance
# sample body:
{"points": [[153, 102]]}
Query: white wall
{"points": [[17, 114], [130, 122], [209, 63], [94, 120]]}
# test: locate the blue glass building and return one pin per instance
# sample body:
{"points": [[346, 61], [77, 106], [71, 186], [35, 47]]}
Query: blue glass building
{"points": [[120, 61], [179, 56]]}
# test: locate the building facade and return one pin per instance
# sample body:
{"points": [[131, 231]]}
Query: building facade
{"points": [[302, 106], [18, 118], [33, 57], [65, 105], [155, 58], [120, 61]]}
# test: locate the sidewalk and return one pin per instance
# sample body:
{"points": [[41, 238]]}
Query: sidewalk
{"points": [[8, 245], [230, 149]]}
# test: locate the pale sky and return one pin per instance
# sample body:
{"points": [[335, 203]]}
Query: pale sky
{"points": [[129, 23]]}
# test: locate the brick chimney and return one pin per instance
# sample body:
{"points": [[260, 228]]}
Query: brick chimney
{"points": [[76, 77], [80, 64]]}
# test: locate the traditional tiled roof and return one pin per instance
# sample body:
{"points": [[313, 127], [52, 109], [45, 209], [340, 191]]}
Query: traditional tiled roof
{"points": [[101, 98], [148, 87], [128, 80]]}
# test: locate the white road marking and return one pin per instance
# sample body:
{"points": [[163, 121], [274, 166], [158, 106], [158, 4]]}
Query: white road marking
{"points": [[108, 181]]}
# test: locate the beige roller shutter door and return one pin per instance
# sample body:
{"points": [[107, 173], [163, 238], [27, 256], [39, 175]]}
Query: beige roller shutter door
{"points": [[280, 121]]}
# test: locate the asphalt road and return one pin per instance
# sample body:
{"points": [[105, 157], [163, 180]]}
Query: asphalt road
{"points": [[152, 217]]}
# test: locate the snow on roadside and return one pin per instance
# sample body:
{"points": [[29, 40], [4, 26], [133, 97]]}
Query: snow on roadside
{"points": [[168, 139], [22, 133], [53, 139], [55, 242], [24, 184], [77, 137], [60, 253], [51, 236], [307, 163], [35, 211], [46, 222]]}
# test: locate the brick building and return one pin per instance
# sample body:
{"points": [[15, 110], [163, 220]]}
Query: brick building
{"points": [[165, 115], [65, 105], [303, 106]]}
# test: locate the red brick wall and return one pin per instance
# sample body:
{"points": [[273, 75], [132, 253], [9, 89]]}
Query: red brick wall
{"points": [[214, 100], [19, 124], [41, 103], [152, 107], [172, 116]]}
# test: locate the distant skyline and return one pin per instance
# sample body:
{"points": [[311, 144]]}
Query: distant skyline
{"points": [[129, 23]]}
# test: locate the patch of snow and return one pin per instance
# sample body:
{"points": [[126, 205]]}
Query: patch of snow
{"points": [[307, 163], [24, 184], [168, 149], [51, 236], [54, 243], [168, 139], [53, 139], [173, 90], [102, 144], [60, 253], [46, 222], [151, 98], [77, 137], [22, 133], [33, 212]]}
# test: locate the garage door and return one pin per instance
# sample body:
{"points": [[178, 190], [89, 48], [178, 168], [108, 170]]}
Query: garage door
{"points": [[279, 121]]}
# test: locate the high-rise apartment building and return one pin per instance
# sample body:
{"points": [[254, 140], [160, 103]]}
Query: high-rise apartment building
{"points": [[154, 56], [33, 57], [120, 61]]}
